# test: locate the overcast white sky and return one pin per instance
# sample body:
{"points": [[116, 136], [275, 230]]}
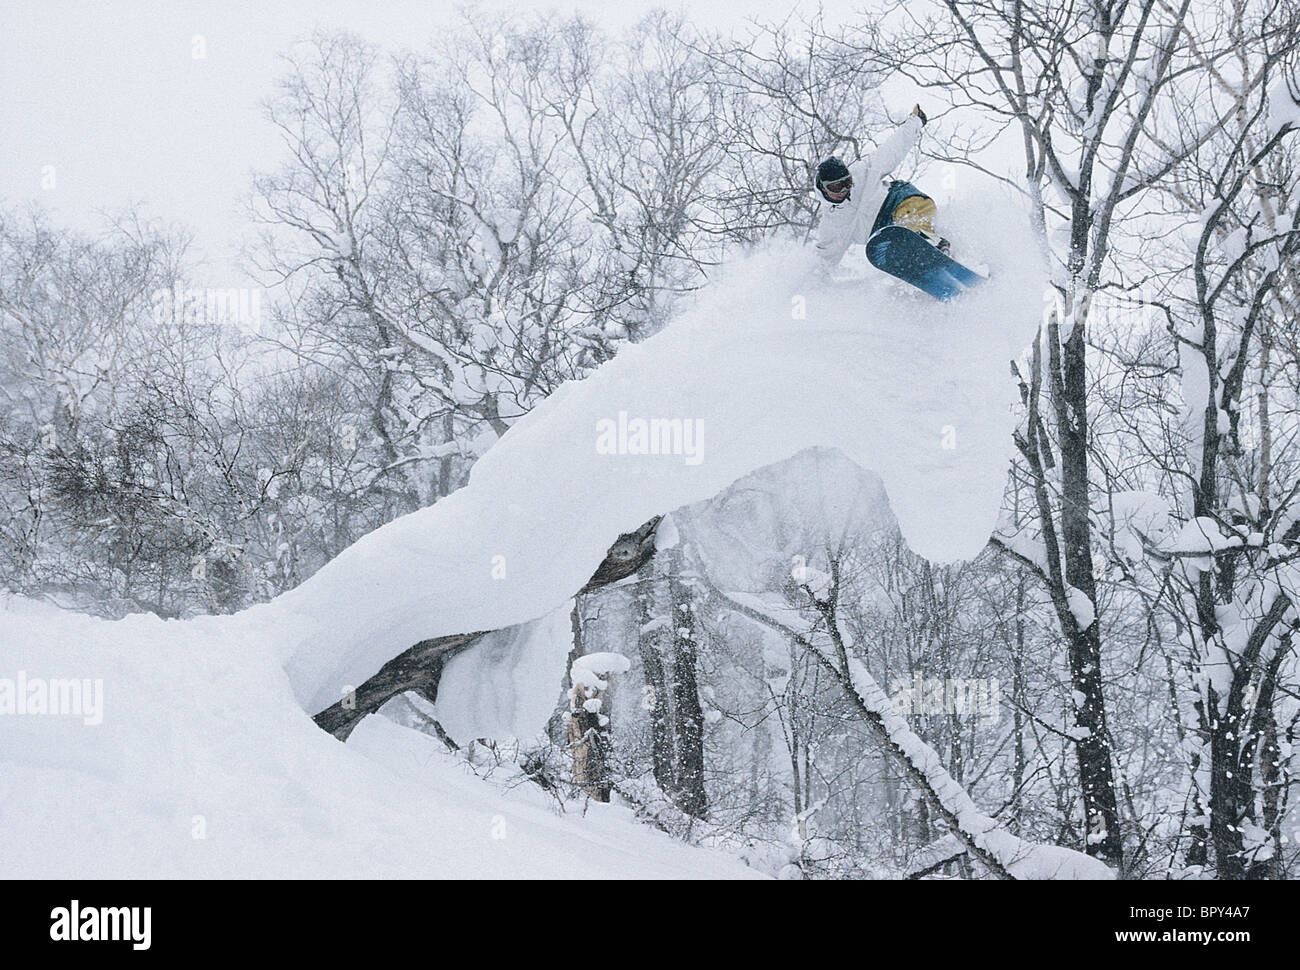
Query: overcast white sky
{"points": [[108, 93]]}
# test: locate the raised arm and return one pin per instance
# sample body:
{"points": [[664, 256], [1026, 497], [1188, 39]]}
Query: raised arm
{"points": [[894, 149]]}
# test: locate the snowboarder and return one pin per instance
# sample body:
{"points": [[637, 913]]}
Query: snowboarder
{"points": [[900, 237]]}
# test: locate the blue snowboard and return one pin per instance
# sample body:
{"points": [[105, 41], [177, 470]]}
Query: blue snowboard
{"points": [[909, 256]]}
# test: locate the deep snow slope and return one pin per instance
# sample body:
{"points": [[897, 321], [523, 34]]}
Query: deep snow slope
{"points": [[770, 359], [202, 765]]}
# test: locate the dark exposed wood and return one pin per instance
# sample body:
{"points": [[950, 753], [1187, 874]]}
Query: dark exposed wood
{"points": [[418, 669], [629, 553]]}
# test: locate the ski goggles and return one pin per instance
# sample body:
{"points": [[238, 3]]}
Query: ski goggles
{"points": [[839, 186]]}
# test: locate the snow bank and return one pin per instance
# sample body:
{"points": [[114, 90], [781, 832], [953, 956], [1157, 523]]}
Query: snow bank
{"points": [[201, 765], [770, 359]]}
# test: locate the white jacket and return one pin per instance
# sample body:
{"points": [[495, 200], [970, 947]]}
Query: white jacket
{"points": [[845, 223]]}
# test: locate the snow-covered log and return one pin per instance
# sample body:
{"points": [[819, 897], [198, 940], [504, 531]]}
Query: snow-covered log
{"points": [[420, 667], [917, 391]]}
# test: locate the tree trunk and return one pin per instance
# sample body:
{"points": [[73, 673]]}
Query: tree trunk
{"points": [[688, 717], [655, 697], [668, 652], [587, 736], [1096, 777], [589, 746]]}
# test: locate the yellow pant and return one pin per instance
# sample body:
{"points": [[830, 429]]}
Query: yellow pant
{"points": [[916, 213]]}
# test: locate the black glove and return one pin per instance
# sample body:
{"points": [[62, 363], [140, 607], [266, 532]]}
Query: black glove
{"points": [[920, 114]]}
